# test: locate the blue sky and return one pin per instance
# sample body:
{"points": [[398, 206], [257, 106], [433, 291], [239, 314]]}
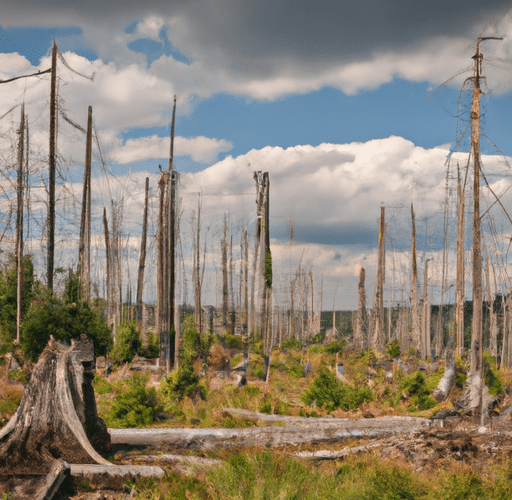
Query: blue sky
{"points": [[275, 75]]}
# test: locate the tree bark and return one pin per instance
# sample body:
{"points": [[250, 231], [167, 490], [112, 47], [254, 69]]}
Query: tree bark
{"points": [[57, 416]]}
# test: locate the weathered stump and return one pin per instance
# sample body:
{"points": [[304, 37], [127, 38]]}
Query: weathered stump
{"points": [[57, 417]]}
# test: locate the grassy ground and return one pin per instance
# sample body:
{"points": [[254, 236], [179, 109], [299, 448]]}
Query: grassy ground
{"points": [[274, 475]]}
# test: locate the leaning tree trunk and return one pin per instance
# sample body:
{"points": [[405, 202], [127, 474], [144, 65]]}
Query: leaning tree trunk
{"points": [[57, 417]]}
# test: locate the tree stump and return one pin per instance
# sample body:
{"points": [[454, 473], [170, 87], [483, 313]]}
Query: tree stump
{"points": [[57, 417]]}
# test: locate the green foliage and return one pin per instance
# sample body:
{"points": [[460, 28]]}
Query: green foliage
{"points": [[336, 346], [268, 269], [236, 359], [153, 348], [390, 484], [291, 344], [288, 363], [185, 382], [101, 386], [419, 394], [9, 405], [72, 288], [137, 406], [393, 349], [127, 344], [327, 391], [492, 381], [8, 299], [52, 316], [231, 341], [266, 404], [18, 375], [463, 486]]}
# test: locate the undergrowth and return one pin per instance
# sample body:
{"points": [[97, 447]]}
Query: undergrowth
{"points": [[274, 475]]}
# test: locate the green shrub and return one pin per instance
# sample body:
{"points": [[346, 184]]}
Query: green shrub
{"points": [[236, 360], [252, 390], [291, 344], [231, 341], [336, 346], [327, 391], [393, 349], [391, 483], [153, 348], [492, 381], [463, 486], [101, 386], [266, 404], [184, 382], [65, 321], [419, 393], [127, 344], [137, 406]]}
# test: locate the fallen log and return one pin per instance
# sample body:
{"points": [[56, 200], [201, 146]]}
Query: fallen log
{"points": [[294, 432], [57, 417]]}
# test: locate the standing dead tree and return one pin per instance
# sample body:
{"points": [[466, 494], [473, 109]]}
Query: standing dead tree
{"points": [[459, 312], [378, 333], [264, 259], [142, 257], [224, 261], [19, 222], [416, 332], [84, 247], [472, 400], [360, 330]]}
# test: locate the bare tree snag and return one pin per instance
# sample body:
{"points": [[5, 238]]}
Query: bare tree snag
{"points": [[142, 257], [57, 416], [225, 292], [108, 259], [360, 330], [85, 227], [442, 391], [377, 340], [245, 282], [459, 308], [52, 167], [490, 294], [426, 313], [19, 223], [472, 400], [197, 270], [416, 329]]}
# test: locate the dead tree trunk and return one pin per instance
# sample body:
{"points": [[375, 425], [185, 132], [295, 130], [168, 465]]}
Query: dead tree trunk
{"points": [[459, 314], [245, 283], [416, 336], [490, 293], [360, 330], [225, 292], [52, 168], [19, 223], [472, 400], [232, 314], [197, 271], [109, 269], [378, 333], [57, 416], [426, 313], [161, 273], [85, 228], [142, 257]]}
